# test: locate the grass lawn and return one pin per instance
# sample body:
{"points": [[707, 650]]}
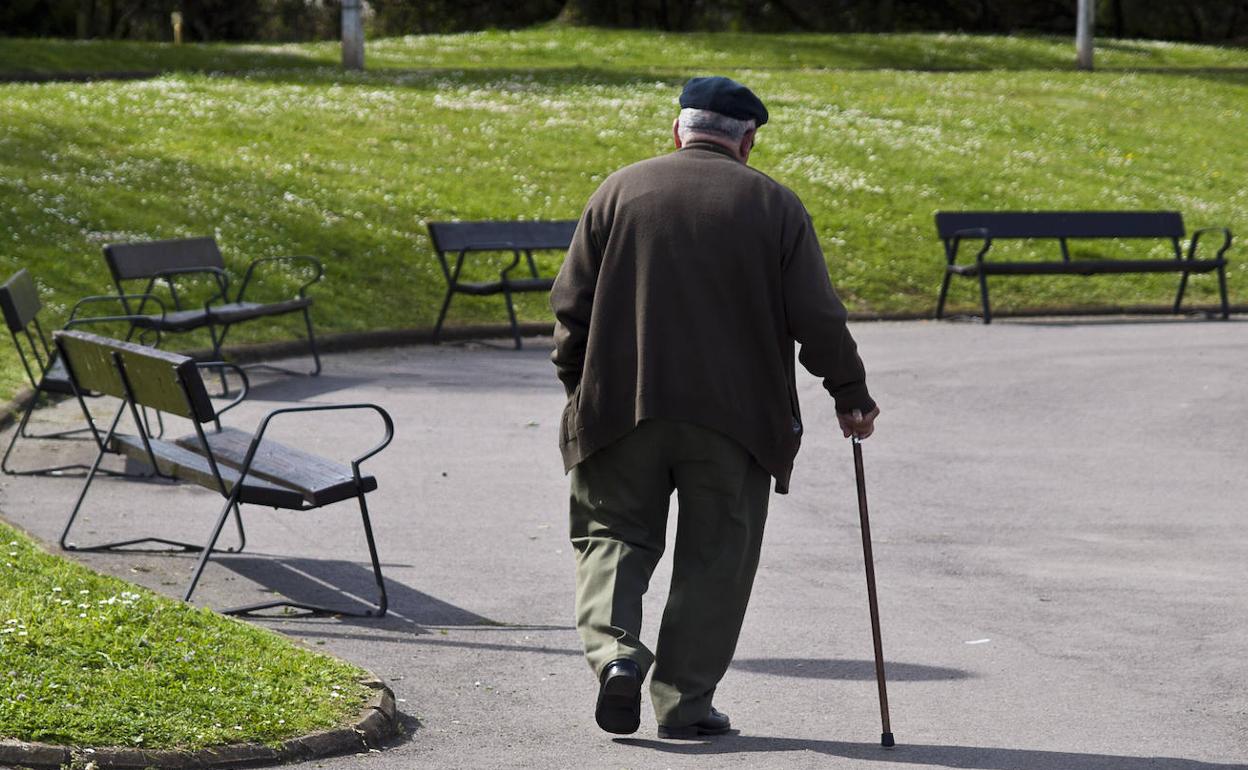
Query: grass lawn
{"points": [[276, 151], [88, 660]]}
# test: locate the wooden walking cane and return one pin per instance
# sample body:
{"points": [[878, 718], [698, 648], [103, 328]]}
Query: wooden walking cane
{"points": [[886, 738]]}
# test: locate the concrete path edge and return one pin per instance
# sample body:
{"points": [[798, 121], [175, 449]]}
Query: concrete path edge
{"points": [[377, 721]]}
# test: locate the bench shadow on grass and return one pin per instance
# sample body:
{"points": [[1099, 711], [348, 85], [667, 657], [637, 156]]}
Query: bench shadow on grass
{"points": [[977, 757]]}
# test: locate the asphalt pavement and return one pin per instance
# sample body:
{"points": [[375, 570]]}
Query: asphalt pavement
{"points": [[1060, 512]]}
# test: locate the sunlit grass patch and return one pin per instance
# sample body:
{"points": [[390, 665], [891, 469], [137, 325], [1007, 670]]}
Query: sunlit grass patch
{"points": [[89, 660], [277, 159]]}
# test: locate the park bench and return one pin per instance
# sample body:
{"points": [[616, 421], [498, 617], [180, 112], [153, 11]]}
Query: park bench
{"points": [[519, 238], [244, 468], [171, 261], [954, 227], [20, 306]]}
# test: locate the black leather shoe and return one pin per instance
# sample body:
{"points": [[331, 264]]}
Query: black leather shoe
{"points": [[619, 697], [714, 723]]}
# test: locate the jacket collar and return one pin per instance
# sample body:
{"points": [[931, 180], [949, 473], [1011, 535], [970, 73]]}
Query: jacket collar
{"points": [[719, 148]]}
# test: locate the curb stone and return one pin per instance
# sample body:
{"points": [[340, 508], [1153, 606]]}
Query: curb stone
{"points": [[377, 721]]}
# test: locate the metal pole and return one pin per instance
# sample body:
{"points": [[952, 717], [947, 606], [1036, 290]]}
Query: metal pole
{"points": [[886, 737], [352, 36], [1084, 26]]}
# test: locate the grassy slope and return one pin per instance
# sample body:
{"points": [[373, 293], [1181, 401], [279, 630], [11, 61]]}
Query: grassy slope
{"points": [[290, 157], [90, 660]]}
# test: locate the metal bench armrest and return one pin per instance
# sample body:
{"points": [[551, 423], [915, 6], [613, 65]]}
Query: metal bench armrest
{"points": [[223, 281], [121, 299], [242, 374], [316, 264], [979, 233], [355, 464], [1226, 240]]}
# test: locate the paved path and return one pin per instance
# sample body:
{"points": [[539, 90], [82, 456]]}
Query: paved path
{"points": [[1061, 544]]}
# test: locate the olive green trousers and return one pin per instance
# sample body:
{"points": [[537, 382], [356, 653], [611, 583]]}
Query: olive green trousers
{"points": [[620, 499]]}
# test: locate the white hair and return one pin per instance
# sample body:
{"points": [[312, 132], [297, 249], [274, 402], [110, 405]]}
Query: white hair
{"points": [[695, 122]]}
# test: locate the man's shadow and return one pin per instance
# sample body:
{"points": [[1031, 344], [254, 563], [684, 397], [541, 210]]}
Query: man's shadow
{"points": [[975, 757]]}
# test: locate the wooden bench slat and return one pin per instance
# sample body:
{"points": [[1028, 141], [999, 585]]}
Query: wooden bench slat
{"points": [[130, 261], [538, 235], [19, 301], [159, 380], [318, 480], [182, 464], [1063, 224]]}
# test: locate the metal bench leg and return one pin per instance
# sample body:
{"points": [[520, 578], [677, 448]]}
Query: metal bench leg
{"points": [[206, 551], [382, 601], [56, 470], [217, 343], [511, 314], [82, 496], [1178, 298], [446, 306], [983, 293], [316, 354], [1226, 306], [944, 292], [20, 431], [378, 610]]}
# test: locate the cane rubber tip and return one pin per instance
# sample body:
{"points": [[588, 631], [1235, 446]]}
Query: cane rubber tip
{"points": [[886, 740]]}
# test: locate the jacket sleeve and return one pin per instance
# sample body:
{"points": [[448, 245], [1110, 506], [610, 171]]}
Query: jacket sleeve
{"points": [[817, 321], [572, 299]]}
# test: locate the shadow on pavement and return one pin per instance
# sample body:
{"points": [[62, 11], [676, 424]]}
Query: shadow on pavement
{"points": [[976, 757], [284, 387], [850, 670], [346, 584]]}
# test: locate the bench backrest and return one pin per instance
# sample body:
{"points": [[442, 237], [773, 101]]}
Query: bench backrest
{"points": [[159, 380], [1063, 224], [128, 261], [451, 237], [19, 301]]}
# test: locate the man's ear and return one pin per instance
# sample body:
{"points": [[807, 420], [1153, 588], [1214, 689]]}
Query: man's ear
{"points": [[747, 144], [676, 132]]}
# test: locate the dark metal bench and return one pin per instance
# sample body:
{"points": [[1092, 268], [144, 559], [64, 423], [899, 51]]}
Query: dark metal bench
{"points": [[1063, 226], [244, 468], [519, 238], [171, 261], [20, 306]]}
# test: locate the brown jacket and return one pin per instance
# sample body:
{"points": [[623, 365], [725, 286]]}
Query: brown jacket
{"points": [[689, 278]]}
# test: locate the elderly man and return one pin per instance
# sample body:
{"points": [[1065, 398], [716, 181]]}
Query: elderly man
{"points": [[689, 279]]}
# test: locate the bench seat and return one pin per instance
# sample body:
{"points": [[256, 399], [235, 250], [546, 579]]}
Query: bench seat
{"points": [[1090, 267], [230, 313], [280, 477], [485, 288]]}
